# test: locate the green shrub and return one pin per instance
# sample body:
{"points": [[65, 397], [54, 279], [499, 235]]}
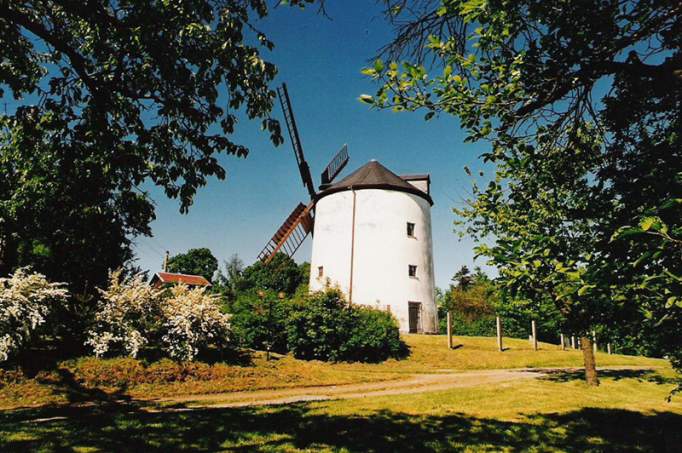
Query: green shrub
{"points": [[260, 320], [374, 337], [322, 326], [319, 326], [479, 327]]}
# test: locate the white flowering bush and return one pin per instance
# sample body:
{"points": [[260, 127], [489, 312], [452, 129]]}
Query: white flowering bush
{"points": [[179, 321], [26, 299], [192, 320], [126, 312]]}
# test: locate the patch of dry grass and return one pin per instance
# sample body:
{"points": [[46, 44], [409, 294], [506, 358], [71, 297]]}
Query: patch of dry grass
{"points": [[90, 379]]}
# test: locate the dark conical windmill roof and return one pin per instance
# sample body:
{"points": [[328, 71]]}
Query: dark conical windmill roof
{"points": [[373, 175]]}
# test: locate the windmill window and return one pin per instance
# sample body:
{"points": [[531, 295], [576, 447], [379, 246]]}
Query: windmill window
{"points": [[410, 229], [412, 270], [320, 271]]}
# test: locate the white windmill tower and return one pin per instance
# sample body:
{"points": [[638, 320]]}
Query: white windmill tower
{"points": [[372, 236]]}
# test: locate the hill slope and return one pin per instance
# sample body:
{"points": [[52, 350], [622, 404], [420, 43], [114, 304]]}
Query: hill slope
{"points": [[89, 379]]}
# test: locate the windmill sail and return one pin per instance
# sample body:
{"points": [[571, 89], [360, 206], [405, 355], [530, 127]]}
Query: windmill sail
{"points": [[295, 139], [335, 166], [290, 235]]}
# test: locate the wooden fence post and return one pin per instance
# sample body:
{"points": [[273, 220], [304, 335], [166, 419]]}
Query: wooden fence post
{"points": [[563, 344], [499, 334], [608, 348], [535, 335], [594, 341], [449, 318], [572, 341]]}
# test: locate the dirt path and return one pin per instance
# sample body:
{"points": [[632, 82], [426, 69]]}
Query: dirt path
{"points": [[417, 383]]}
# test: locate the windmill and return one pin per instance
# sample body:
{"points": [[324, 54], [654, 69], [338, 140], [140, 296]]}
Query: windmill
{"points": [[289, 237]]}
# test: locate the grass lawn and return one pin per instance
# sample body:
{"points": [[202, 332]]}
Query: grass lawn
{"points": [[429, 353], [628, 412], [556, 413]]}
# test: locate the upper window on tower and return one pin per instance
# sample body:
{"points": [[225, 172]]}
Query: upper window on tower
{"points": [[320, 271], [410, 229], [412, 270]]}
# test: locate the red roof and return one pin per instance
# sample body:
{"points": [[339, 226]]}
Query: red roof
{"points": [[192, 280]]}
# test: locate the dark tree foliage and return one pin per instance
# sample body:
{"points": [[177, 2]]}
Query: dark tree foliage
{"points": [[281, 274], [195, 262], [462, 278], [230, 282], [105, 96]]}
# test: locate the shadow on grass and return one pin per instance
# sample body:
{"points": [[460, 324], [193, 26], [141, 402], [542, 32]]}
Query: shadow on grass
{"points": [[645, 375], [127, 428], [65, 383]]}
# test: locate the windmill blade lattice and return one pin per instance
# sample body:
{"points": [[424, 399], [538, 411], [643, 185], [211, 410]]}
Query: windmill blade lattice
{"points": [[291, 234], [303, 167], [335, 166]]}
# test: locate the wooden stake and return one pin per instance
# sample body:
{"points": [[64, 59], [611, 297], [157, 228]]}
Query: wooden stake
{"points": [[563, 342], [499, 334], [594, 341], [449, 318], [608, 348], [572, 342], [535, 335]]}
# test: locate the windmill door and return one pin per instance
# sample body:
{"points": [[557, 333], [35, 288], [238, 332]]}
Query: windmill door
{"points": [[415, 309]]}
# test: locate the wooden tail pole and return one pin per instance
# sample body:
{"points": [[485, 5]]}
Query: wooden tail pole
{"points": [[535, 335], [449, 319], [499, 334]]}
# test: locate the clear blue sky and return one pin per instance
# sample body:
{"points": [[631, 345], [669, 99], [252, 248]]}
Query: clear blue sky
{"points": [[320, 60]]}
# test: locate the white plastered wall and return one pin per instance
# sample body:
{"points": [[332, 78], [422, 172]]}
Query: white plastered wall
{"points": [[382, 251]]}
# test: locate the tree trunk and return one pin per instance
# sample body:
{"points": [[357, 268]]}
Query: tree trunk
{"points": [[590, 364], [6, 257]]}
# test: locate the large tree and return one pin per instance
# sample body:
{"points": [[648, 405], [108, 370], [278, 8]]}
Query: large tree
{"points": [[581, 102], [281, 274], [194, 262], [105, 96]]}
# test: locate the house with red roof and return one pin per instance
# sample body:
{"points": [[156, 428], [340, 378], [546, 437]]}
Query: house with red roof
{"points": [[161, 279]]}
